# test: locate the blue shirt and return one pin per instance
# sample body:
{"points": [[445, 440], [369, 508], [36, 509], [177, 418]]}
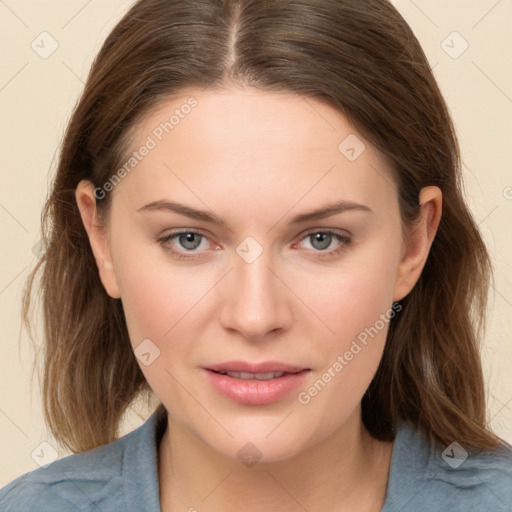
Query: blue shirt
{"points": [[123, 476]]}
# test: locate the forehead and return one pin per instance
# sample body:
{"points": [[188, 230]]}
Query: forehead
{"points": [[252, 144]]}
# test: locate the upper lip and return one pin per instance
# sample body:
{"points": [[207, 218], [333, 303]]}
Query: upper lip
{"points": [[264, 367]]}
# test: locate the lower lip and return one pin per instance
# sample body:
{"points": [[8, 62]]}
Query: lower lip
{"points": [[255, 392]]}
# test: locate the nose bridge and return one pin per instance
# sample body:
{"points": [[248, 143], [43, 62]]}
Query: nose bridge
{"points": [[254, 303]]}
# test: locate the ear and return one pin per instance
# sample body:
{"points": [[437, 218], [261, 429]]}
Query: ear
{"points": [[97, 232], [418, 243]]}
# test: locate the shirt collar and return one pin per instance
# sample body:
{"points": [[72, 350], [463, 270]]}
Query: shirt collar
{"points": [[140, 467]]}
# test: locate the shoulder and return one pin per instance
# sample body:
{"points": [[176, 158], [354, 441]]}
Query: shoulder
{"points": [[101, 478], [429, 478], [67, 483]]}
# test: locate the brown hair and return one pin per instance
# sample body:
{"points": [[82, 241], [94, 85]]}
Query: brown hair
{"points": [[362, 58]]}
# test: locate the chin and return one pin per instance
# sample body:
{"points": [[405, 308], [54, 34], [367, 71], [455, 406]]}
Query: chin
{"points": [[256, 443]]}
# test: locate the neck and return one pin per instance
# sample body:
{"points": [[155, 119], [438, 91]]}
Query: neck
{"points": [[346, 471]]}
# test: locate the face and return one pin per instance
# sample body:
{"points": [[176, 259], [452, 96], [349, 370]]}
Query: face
{"points": [[255, 283]]}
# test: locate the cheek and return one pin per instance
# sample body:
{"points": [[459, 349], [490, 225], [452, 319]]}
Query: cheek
{"points": [[357, 306], [354, 296], [169, 305], [157, 299], [160, 303], [158, 296]]}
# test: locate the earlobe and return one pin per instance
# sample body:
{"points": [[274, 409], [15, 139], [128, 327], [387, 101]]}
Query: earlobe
{"points": [[97, 233], [419, 242]]}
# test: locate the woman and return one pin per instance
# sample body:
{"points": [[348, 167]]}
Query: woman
{"points": [[257, 217]]}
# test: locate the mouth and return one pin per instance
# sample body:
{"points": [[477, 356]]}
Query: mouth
{"points": [[255, 376], [255, 371], [255, 384]]}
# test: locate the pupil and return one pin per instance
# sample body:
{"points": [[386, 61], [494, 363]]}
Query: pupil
{"points": [[323, 238], [187, 238]]}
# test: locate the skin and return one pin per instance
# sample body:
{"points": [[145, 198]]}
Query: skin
{"points": [[256, 159]]}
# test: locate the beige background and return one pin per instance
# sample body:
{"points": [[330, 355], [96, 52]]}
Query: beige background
{"points": [[36, 98]]}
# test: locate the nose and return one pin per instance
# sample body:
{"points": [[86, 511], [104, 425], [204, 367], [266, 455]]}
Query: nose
{"points": [[255, 300]]}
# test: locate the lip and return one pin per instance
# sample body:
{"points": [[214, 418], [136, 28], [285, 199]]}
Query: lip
{"points": [[255, 392], [264, 367]]}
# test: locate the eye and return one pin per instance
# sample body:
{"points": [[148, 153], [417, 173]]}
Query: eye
{"points": [[188, 241], [320, 240]]}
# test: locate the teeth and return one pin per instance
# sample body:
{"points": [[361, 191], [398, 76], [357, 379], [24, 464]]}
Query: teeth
{"points": [[252, 376]]}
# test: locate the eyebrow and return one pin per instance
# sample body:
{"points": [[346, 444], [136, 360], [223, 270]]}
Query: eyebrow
{"points": [[207, 216]]}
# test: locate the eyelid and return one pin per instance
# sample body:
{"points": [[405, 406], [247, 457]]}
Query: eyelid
{"points": [[343, 236], [337, 231], [310, 231]]}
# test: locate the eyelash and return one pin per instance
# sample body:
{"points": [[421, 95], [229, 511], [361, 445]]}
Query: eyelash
{"points": [[345, 241]]}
